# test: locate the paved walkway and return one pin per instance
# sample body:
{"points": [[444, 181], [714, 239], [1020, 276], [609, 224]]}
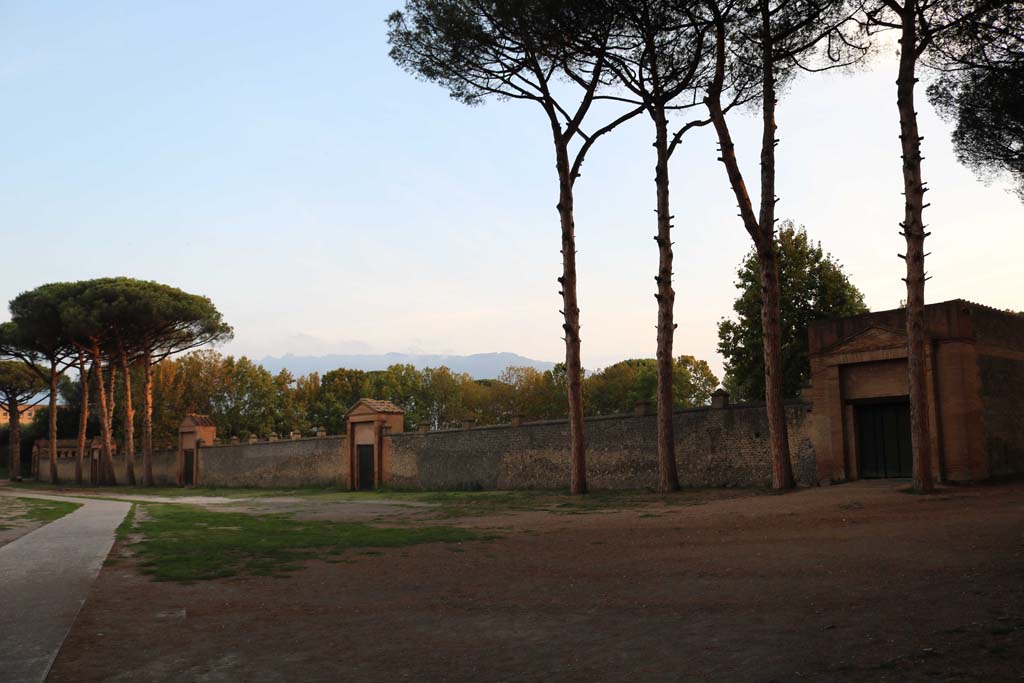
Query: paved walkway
{"points": [[44, 579]]}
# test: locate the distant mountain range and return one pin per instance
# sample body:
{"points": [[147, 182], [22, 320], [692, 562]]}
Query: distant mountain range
{"points": [[477, 365]]}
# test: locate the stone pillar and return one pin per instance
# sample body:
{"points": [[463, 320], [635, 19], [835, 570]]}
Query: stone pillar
{"points": [[235, 441], [296, 435], [423, 428], [517, 420], [642, 408], [253, 438], [321, 432], [272, 437], [720, 399], [468, 423]]}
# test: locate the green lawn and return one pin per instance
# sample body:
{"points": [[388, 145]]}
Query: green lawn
{"points": [[186, 543], [447, 504], [33, 509]]}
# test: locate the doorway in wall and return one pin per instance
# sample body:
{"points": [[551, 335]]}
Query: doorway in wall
{"points": [[189, 478], [883, 440], [364, 453]]}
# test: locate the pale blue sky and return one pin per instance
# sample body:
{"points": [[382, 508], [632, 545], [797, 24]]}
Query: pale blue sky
{"points": [[270, 156]]}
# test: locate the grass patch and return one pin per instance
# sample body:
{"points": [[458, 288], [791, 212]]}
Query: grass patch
{"points": [[444, 504], [46, 510], [124, 529], [186, 543]]}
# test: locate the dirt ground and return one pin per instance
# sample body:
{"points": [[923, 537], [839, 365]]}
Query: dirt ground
{"points": [[860, 582]]}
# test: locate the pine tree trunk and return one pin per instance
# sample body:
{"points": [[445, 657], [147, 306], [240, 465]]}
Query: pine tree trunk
{"points": [[767, 255], [147, 422], [14, 458], [668, 476], [111, 400], [129, 421], [107, 465], [913, 230], [771, 327], [53, 422], [83, 418], [571, 327]]}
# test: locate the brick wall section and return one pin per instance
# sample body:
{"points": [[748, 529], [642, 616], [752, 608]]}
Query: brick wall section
{"points": [[293, 463], [1002, 386], [714, 447]]}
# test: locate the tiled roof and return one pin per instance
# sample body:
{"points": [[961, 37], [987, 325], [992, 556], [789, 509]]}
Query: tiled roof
{"points": [[378, 406], [201, 420]]}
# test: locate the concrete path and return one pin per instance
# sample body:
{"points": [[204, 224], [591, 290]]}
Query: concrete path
{"points": [[44, 579]]}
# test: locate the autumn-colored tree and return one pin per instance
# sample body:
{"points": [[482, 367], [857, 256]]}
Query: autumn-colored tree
{"points": [[520, 50]]}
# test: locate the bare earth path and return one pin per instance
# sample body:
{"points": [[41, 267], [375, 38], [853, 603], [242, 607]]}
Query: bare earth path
{"points": [[44, 579], [859, 582]]}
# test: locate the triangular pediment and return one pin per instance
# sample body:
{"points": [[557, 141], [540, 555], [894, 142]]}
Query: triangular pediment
{"points": [[875, 337], [371, 406]]}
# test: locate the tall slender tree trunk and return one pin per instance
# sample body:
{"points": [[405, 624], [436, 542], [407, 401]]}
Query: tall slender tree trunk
{"points": [[129, 421], [913, 231], [14, 439], [147, 421], [571, 313], [668, 475], [767, 256], [771, 328], [111, 399], [53, 421], [83, 417], [762, 231], [107, 465]]}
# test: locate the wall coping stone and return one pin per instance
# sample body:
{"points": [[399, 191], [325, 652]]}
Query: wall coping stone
{"points": [[789, 403]]}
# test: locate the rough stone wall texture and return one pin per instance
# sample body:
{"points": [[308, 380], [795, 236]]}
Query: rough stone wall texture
{"points": [[1002, 386], [714, 447], [293, 463], [165, 469]]}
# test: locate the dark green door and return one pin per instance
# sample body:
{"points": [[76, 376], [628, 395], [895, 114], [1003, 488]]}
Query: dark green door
{"points": [[190, 467], [883, 440], [365, 455]]}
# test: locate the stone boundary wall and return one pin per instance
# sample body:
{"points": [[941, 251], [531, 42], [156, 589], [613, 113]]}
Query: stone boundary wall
{"points": [[165, 469], [715, 447], [293, 463]]}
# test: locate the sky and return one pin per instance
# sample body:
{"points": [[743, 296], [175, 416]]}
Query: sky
{"points": [[272, 157]]}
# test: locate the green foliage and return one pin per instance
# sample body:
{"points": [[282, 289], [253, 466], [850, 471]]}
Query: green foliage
{"points": [[36, 331], [617, 388], [140, 317], [813, 286], [185, 543], [977, 49], [987, 107], [20, 382]]}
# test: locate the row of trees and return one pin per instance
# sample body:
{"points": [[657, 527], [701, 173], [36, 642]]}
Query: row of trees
{"points": [[613, 60], [103, 328], [244, 398]]}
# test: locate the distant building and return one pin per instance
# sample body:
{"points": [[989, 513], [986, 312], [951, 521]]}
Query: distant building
{"points": [[27, 415]]}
